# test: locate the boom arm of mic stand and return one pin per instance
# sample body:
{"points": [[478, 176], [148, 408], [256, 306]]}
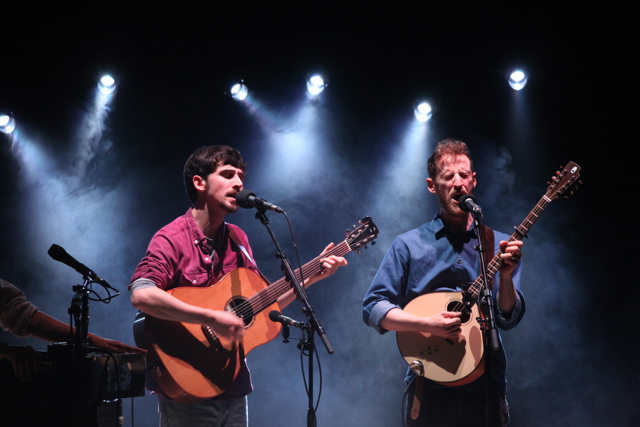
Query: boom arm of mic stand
{"points": [[297, 286]]}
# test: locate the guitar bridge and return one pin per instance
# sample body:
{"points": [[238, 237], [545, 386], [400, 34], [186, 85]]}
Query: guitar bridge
{"points": [[212, 337]]}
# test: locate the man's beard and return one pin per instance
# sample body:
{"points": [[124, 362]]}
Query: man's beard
{"points": [[229, 208], [451, 208]]}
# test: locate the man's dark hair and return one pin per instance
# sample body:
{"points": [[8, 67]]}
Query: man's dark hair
{"points": [[205, 160], [444, 148]]}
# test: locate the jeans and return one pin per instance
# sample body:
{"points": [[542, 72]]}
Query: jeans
{"points": [[208, 413], [456, 407]]}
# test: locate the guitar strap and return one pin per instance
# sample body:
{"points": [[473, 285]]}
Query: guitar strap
{"points": [[488, 242], [417, 397], [236, 240]]}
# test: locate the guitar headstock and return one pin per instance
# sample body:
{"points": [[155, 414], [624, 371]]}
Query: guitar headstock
{"points": [[565, 178], [362, 235]]}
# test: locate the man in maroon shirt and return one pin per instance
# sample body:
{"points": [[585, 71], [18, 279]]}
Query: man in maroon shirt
{"points": [[198, 249]]}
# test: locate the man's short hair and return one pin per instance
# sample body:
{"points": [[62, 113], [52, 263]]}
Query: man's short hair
{"points": [[444, 148], [205, 160]]}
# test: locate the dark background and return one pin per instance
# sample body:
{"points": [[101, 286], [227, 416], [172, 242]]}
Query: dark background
{"points": [[101, 192]]}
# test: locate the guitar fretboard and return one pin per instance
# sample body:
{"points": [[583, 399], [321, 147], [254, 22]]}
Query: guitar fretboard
{"points": [[519, 233], [270, 294], [561, 183]]}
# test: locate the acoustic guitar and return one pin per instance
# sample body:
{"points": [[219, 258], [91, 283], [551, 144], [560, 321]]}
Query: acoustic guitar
{"points": [[455, 363], [190, 362]]}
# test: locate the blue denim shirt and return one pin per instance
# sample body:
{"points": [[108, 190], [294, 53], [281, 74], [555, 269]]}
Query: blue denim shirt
{"points": [[429, 259]]}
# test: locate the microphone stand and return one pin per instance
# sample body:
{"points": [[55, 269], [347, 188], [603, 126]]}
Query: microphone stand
{"points": [[488, 325], [309, 345], [79, 310], [312, 326]]}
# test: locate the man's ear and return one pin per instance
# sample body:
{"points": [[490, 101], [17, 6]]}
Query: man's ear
{"points": [[199, 183], [430, 186]]}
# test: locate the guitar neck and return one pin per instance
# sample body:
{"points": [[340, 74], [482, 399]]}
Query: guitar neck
{"points": [[519, 233], [270, 294]]}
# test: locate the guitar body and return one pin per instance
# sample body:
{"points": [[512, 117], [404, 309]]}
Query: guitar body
{"points": [[193, 363], [447, 362]]}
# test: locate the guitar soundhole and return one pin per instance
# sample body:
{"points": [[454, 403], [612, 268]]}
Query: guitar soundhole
{"points": [[241, 307], [459, 306]]}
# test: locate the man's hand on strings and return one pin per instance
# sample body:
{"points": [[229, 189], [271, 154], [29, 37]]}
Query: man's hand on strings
{"points": [[446, 324], [227, 325], [330, 265], [511, 254]]}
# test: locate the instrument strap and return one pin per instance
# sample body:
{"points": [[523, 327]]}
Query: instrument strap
{"points": [[488, 243], [236, 240], [417, 396]]}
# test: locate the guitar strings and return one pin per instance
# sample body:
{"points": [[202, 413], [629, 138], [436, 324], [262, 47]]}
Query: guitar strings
{"points": [[261, 300]]}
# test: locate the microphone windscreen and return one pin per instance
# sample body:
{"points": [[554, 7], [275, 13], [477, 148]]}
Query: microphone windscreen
{"points": [[243, 199], [462, 202], [57, 252], [273, 315]]}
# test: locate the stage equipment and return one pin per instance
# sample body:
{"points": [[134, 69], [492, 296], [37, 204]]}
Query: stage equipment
{"points": [[518, 79], [316, 84]]}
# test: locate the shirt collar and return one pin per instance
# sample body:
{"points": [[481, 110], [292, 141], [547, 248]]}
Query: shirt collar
{"points": [[441, 230], [199, 239]]}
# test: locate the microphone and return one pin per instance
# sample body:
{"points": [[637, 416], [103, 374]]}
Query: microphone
{"points": [[468, 204], [247, 199], [276, 316], [59, 254]]}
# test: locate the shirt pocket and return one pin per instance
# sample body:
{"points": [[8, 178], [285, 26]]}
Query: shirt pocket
{"points": [[199, 278]]}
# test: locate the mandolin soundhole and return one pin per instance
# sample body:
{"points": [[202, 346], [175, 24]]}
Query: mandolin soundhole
{"points": [[457, 305]]}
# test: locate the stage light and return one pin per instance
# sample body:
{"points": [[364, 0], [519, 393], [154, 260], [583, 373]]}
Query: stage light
{"points": [[517, 79], [316, 84], [107, 84], [239, 91], [423, 111], [7, 123]]}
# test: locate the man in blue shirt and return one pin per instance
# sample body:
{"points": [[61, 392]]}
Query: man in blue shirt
{"points": [[440, 256]]}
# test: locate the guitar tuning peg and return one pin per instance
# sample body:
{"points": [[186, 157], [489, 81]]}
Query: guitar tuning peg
{"points": [[373, 243], [359, 251]]}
